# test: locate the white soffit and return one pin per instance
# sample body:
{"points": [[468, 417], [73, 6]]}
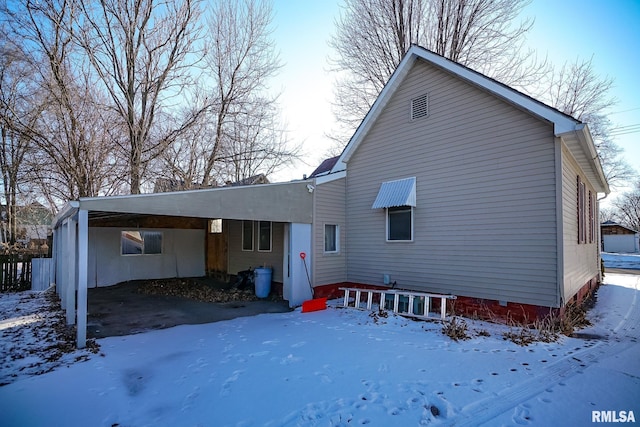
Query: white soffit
{"points": [[401, 192]]}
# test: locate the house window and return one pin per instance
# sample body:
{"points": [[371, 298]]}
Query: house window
{"points": [[264, 236], [247, 235], [592, 216], [582, 211], [400, 223], [331, 238], [215, 226], [141, 242]]}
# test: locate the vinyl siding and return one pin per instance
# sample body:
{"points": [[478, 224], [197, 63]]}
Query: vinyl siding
{"points": [[329, 209], [581, 262], [240, 260], [485, 222]]}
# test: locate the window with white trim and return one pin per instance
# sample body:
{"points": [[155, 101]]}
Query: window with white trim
{"points": [[400, 224], [331, 238], [581, 210], [141, 242], [247, 235], [264, 236]]}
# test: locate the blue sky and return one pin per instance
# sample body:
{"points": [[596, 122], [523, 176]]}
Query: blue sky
{"points": [[608, 31]]}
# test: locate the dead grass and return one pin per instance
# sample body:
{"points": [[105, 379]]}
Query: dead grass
{"points": [[455, 328], [552, 326]]}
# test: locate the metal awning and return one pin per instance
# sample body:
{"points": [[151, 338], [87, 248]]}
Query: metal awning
{"points": [[401, 192]]}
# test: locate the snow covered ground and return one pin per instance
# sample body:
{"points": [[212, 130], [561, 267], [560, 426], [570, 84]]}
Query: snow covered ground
{"points": [[342, 367]]}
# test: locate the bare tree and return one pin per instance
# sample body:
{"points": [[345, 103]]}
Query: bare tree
{"points": [[257, 143], [607, 214], [576, 90], [628, 208], [372, 36], [242, 134], [15, 88], [69, 154], [143, 52], [183, 162]]}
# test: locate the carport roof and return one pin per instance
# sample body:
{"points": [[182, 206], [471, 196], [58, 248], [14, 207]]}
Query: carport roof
{"points": [[282, 202]]}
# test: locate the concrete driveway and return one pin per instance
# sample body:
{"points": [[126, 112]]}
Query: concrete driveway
{"points": [[122, 310]]}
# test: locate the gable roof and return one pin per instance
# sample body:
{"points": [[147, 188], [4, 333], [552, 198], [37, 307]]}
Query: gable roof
{"points": [[325, 167], [612, 224], [573, 132]]}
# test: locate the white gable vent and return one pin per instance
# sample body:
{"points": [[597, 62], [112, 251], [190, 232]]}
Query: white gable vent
{"points": [[419, 107]]}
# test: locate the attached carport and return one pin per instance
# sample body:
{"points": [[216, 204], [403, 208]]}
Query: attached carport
{"points": [[77, 231]]}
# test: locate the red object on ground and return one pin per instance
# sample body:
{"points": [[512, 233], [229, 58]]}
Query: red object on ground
{"points": [[314, 305]]}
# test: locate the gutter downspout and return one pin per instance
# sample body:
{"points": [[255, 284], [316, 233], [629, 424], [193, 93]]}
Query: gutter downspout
{"points": [[559, 161]]}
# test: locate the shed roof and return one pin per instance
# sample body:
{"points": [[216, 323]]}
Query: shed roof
{"points": [[611, 224]]}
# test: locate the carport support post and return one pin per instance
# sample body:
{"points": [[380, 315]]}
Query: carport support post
{"points": [[70, 286], [299, 287], [83, 258]]}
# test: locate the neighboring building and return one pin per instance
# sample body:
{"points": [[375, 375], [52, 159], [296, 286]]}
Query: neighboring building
{"points": [[252, 180], [453, 183], [165, 185], [618, 238], [33, 225]]}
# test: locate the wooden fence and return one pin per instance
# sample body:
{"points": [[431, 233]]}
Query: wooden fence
{"points": [[15, 272]]}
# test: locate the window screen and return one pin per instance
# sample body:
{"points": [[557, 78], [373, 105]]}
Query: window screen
{"points": [[264, 236], [400, 223], [330, 238], [247, 235], [141, 242]]}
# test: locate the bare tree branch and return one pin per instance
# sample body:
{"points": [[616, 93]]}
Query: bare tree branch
{"points": [[143, 52], [576, 90], [242, 135], [372, 36]]}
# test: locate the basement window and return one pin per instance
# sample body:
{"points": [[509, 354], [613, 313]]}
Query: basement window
{"points": [[141, 242], [420, 107]]}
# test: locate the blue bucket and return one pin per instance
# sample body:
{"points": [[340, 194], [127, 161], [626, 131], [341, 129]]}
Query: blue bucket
{"points": [[262, 281]]}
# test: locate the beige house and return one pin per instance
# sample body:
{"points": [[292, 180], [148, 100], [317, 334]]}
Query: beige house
{"points": [[453, 183], [458, 184]]}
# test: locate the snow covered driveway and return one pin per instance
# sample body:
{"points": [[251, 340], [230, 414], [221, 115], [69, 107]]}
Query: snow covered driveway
{"points": [[342, 367]]}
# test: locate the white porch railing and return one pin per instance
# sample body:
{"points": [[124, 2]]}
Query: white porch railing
{"points": [[403, 302]]}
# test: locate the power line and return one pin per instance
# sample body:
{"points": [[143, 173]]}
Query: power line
{"points": [[625, 130], [624, 111]]}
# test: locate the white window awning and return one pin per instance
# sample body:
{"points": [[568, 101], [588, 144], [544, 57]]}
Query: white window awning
{"points": [[401, 192]]}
